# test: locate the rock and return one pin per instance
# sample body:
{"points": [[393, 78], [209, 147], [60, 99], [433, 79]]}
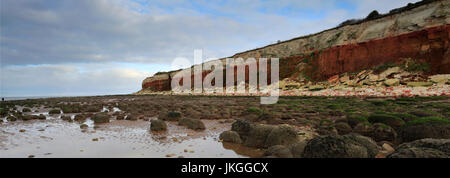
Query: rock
{"points": [[42, 117], [316, 87], [388, 148], [427, 127], [343, 128], [392, 82], [29, 117], [120, 117], [387, 119], [335, 146], [424, 148], [26, 110], [170, 116], [22, 130], [11, 118], [131, 117], [242, 127], [373, 78], [54, 111], [419, 84], [388, 72], [279, 151], [297, 149], [66, 118], [334, 79], [281, 135], [383, 132], [84, 126], [79, 118], [230, 136], [344, 79], [354, 120], [327, 130], [364, 128], [158, 125], [440, 79], [194, 124], [258, 135], [100, 118]]}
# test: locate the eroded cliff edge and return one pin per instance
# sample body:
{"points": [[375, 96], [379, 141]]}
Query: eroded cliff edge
{"points": [[418, 32]]}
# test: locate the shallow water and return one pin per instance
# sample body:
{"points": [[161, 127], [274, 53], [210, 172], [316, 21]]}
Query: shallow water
{"points": [[57, 138]]}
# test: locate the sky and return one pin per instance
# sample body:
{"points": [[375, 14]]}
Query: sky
{"points": [[103, 47]]}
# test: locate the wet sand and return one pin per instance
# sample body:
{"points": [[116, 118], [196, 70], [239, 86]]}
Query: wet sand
{"points": [[119, 138]]}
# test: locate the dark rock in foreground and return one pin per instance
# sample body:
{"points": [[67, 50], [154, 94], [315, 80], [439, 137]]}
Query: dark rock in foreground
{"points": [[335, 146], [230, 136], [158, 125], [425, 148]]}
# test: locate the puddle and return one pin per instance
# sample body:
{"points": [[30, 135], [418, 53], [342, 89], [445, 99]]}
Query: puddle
{"points": [[57, 138]]}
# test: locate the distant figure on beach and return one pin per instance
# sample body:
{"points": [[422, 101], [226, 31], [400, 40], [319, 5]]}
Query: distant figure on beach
{"points": [[3, 99]]}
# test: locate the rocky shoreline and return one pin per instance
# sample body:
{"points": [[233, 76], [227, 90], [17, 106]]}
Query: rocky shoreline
{"points": [[234, 126]]}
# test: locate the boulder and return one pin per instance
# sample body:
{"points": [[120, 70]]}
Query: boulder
{"points": [[383, 132], [387, 119], [131, 117], [298, 148], [100, 118], [388, 72], [66, 118], [242, 127], [441, 79], [158, 125], [364, 128], [424, 148], [42, 117], [79, 118], [343, 128], [336, 146], [354, 120], [257, 135], [427, 127], [392, 82], [170, 116], [278, 151], [230, 136], [194, 124], [84, 126], [281, 135], [54, 111], [11, 118]]}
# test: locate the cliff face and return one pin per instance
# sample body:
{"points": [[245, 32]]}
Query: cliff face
{"points": [[420, 32]]}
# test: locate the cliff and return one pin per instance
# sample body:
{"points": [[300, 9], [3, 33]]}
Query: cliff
{"points": [[418, 31]]}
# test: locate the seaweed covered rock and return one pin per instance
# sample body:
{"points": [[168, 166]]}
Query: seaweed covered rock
{"points": [[281, 135], [364, 129], [158, 125], [66, 118], [242, 127], [79, 118], [424, 148], [383, 132], [336, 146], [353, 120], [387, 119], [11, 118], [257, 135], [170, 116], [230, 136], [100, 118], [278, 151], [427, 127], [194, 124], [54, 111], [297, 149], [343, 128]]}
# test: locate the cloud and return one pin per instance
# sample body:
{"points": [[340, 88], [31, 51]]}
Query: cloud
{"points": [[60, 80], [75, 47]]}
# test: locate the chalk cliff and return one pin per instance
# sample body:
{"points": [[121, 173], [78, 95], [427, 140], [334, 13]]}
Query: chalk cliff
{"points": [[418, 32]]}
